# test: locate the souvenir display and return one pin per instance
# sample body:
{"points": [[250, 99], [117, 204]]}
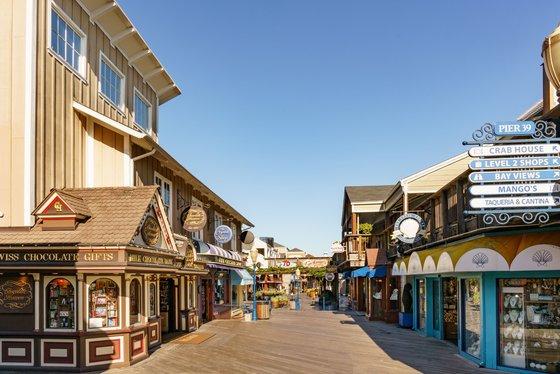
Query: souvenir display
{"points": [[60, 304], [472, 316], [530, 324], [450, 309], [103, 304]]}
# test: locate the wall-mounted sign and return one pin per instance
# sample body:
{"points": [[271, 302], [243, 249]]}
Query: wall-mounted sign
{"points": [[54, 258], [409, 228], [515, 150], [514, 176], [16, 294], [515, 189], [247, 237], [151, 232], [195, 219], [223, 234], [337, 247], [515, 163], [514, 202], [329, 277], [150, 259]]}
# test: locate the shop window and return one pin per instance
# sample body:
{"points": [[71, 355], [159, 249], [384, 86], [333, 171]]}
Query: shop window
{"points": [[165, 192], [529, 320], [471, 316], [135, 298], [421, 291], [67, 41], [103, 303], [191, 294], [152, 299], [60, 304], [220, 286]]}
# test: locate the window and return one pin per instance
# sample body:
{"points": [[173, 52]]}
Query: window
{"points": [[135, 298], [198, 235], [165, 192], [192, 294], [141, 112], [103, 303], [421, 290], [152, 299], [111, 82], [471, 316], [67, 42], [60, 304]]}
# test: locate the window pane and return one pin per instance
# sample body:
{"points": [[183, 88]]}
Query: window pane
{"points": [[60, 304], [103, 304], [65, 41]]}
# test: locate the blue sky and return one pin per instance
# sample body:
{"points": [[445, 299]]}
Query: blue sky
{"points": [[286, 102]]}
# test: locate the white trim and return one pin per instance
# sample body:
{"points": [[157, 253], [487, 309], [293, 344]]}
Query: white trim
{"points": [[104, 58], [74, 353], [98, 12], [120, 339], [433, 168], [122, 35], [153, 73], [89, 280], [429, 265], [445, 263], [540, 257], [149, 130], [46, 281], [108, 122], [90, 156], [18, 363], [140, 315], [170, 207], [81, 72], [137, 56], [481, 260], [29, 112]]}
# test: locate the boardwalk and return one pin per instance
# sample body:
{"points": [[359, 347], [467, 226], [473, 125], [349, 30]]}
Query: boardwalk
{"points": [[309, 341]]}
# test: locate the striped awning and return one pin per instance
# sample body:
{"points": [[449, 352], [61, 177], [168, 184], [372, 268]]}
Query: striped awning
{"points": [[207, 249]]}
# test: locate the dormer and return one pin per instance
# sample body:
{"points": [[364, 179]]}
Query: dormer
{"points": [[61, 211]]}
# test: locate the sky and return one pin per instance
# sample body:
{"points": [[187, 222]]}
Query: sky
{"points": [[286, 102]]}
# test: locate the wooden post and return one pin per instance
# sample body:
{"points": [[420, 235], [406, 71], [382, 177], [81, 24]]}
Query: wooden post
{"points": [[444, 216], [37, 307], [460, 207], [81, 298]]}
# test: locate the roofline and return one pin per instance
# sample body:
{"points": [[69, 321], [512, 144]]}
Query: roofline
{"points": [[531, 112], [433, 168]]}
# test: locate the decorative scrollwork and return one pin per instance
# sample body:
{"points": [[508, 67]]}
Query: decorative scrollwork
{"points": [[544, 130], [505, 218], [485, 133]]}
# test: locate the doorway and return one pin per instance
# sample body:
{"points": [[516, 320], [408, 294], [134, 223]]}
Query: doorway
{"points": [[167, 305], [450, 303], [434, 289]]}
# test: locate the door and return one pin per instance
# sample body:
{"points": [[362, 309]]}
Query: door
{"points": [[167, 304], [435, 308]]}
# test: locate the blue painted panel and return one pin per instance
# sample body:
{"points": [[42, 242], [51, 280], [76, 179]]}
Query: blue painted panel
{"points": [[514, 128]]}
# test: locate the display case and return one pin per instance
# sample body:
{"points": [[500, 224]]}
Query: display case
{"points": [[471, 316], [530, 324], [60, 304], [104, 305]]}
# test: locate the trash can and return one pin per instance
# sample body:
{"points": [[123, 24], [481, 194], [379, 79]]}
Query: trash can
{"points": [[263, 310]]}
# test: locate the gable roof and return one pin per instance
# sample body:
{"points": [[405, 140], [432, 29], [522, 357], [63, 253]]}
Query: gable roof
{"points": [[116, 213], [360, 194]]}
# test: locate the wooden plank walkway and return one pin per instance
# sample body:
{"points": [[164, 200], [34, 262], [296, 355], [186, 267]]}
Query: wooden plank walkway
{"points": [[308, 341]]}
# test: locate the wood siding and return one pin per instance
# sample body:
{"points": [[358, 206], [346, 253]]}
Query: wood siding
{"points": [[60, 131]]}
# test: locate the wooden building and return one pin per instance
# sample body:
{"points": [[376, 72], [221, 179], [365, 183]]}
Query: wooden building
{"points": [[81, 91]]}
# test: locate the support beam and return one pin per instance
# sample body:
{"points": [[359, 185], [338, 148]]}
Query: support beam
{"points": [[122, 35], [96, 13], [135, 57], [152, 73], [165, 89]]}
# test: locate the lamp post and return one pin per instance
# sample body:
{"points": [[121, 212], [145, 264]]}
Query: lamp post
{"points": [[254, 258], [298, 302]]}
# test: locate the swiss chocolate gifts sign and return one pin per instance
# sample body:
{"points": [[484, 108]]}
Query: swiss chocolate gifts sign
{"points": [[16, 295]]}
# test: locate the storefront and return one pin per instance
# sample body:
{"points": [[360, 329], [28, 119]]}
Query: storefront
{"points": [[82, 289], [497, 297], [225, 286]]}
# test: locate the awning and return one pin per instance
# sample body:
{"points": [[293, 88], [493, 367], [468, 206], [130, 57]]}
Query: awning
{"points": [[361, 272], [241, 277], [378, 272], [347, 274], [207, 249]]}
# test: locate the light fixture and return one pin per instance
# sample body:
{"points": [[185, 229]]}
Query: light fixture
{"points": [[254, 255], [551, 57]]}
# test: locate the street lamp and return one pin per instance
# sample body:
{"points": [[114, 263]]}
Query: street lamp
{"points": [[551, 58], [254, 258], [298, 302]]}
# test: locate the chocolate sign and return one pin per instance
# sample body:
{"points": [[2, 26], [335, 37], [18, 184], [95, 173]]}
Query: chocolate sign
{"points": [[151, 231], [195, 219], [16, 295]]}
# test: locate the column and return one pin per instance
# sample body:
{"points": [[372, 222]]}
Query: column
{"points": [[176, 302], [157, 295], [183, 319], [146, 298], [126, 300], [86, 301], [80, 301], [37, 278]]}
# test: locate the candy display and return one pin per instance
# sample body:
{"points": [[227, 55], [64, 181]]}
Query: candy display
{"points": [[60, 303]]}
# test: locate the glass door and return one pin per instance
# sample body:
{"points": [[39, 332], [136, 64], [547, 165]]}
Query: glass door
{"points": [[471, 316], [436, 308], [421, 301]]}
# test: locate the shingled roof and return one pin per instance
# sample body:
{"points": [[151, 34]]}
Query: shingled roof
{"points": [[116, 213], [357, 194]]}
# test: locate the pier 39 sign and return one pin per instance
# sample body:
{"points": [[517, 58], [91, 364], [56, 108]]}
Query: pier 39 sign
{"points": [[515, 177]]}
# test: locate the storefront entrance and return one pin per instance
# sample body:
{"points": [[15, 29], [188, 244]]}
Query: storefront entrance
{"points": [[449, 288], [167, 305]]}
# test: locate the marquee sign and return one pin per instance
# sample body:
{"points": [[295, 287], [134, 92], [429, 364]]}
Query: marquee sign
{"points": [[515, 178]]}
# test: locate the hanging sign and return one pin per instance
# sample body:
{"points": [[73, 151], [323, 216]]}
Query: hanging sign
{"points": [[337, 247], [514, 163], [409, 228], [514, 128], [515, 202], [515, 176], [515, 189], [151, 232], [329, 277], [515, 150], [223, 234], [195, 219]]}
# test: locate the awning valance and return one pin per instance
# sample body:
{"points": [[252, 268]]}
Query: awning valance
{"points": [[241, 277], [531, 251], [361, 272], [210, 253], [377, 272]]}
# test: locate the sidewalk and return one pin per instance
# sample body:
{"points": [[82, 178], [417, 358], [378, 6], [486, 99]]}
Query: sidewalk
{"points": [[308, 341]]}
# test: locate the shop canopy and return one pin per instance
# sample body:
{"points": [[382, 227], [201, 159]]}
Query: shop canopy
{"points": [[241, 277], [207, 249], [366, 271], [529, 251]]}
